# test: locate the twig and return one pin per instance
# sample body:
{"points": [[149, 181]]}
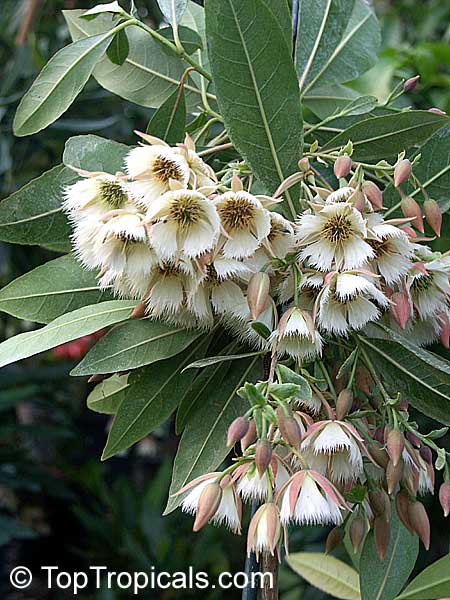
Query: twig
{"points": [[27, 22]]}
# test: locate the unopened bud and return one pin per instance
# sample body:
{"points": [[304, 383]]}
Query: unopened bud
{"points": [[208, 503], [303, 165], [373, 194], [402, 171], [334, 538], [380, 503], [412, 437], [358, 200], [357, 532], [342, 166], [263, 456], [433, 215], [264, 531], [444, 497], [344, 403], [436, 111], [382, 533], [395, 445], [250, 437], [419, 522], [379, 454], [402, 505], [258, 294], [426, 454], [410, 83], [289, 428], [363, 380], [394, 473], [237, 430], [411, 209], [400, 308]]}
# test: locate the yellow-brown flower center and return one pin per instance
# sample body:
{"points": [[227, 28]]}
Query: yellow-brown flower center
{"points": [[113, 194], [185, 210], [165, 169], [422, 283], [337, 229], [237, 213]]}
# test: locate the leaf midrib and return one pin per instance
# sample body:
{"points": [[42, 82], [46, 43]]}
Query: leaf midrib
{"points": [[316, 45]]}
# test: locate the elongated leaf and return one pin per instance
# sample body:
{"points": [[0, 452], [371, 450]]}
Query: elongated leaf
{"points": [[94, 153], [83, 321], [107, 395], [55, 288], [433, 582], [149, 74], [326, 573], [113, 7], [153, 394], [172, 9], [119, 48], [382, 580], [169, 120], [421, 377], [58, 84], [433, 171], [382, 137], [337, 40], [213, 360], [328, 100], [33, 215], [251, 63], [203, 444], [137, 343]]}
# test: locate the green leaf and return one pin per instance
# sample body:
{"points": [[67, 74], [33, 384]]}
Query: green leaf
{"points": [[433, 582], [433, 171], [137, 343], [337, 40], [251, 63], [53, 289], [58, 84], [169, 120], [189, 38], [202, 447], [149, 74], [327, 101], [348, 363], [107, 395], [119, 48], [68, 327], [33, 214], [94, 153], [172, 9], [382, 580], [286, 375], [113, 7], [419, 375], [213, 360], [326, 573], [385, 136], [151, 397]]}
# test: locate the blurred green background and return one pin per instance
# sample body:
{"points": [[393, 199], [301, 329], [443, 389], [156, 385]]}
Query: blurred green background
{"points": [[58, 503]]}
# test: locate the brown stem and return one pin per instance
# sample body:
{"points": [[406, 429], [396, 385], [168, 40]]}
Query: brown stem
{"points": [[27, 22], [269, 564]]}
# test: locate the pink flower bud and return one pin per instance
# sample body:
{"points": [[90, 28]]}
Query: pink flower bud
{"points": [[382, 533], [403, 405], [334, 538], [402, 172], [263, 456], [419, 522], [412, 210], [410, 83], [400, 308], [380, 503], [258, 294], [402, 505], [444, 497], [344, 403], [250, 437], [379, 454], [289, 428], [409, 231], [357, 532], [208, 503], [433, 215], [426, 454], [373, 194], [395, 445], [237, 431], [342, 166], [413, 439], [436, 111], [394, 473], [304, 165]]}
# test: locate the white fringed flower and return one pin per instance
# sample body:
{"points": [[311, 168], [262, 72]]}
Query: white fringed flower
{"points": [[334, 236], [183, 222], [253, 487], [334, 448], [245, 222], [280, 240], [152, 168], [349, 301], [94, 195], [264, 532], [392, 248], [202, 176], [228, 512], [297, 336], [429, 288], [308, 498], [166, 291]]}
